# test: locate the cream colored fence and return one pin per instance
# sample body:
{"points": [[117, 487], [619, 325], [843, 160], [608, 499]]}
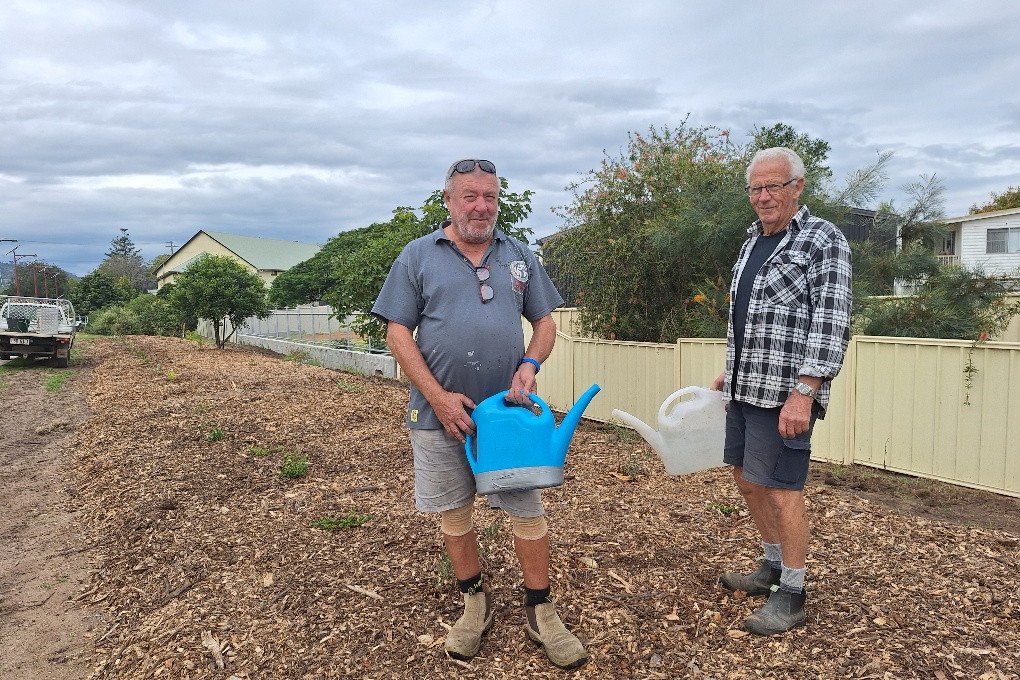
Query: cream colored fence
{"points": [[901, 404]]}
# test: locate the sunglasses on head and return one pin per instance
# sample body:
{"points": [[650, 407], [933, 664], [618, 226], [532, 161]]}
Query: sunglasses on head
{"points": [[468, 165]]}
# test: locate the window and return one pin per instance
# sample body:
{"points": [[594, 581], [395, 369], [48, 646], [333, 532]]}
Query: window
{"points": [[1005, 240]]}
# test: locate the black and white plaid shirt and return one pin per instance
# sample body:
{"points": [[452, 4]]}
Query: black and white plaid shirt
{"points": [[798, 316]]}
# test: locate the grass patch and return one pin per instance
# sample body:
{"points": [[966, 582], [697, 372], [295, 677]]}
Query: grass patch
{"points": [[215, 435], [56, 379], [262, 452], [302, 358], [348, 521]]}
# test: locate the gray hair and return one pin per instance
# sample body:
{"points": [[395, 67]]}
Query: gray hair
{"points": [[793, 161]]}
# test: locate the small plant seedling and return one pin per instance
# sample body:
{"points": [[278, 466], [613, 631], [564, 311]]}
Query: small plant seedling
{"points": [[202, 408], [351, 386], [632, 467], [444, 572], [171, 374], [333, 523], [724, 508], [302, 358], [215, 435], [294, 465]]}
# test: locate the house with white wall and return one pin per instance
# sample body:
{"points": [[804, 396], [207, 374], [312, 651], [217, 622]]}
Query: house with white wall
{"points": [[989, 241]]}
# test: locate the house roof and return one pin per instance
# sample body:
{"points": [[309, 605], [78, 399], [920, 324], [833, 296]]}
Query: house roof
{"points": [[264, 254], [982, 216]]}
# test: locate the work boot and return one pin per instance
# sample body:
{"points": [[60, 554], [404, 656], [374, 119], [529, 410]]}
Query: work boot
{"points": [[783, 611], [464, 639], [758, 583], [561, 646]]}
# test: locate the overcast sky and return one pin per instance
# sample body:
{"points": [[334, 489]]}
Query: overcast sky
{"points": [[301, 119]]}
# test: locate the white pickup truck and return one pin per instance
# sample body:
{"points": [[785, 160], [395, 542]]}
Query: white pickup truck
{"points": [[37, 327]]}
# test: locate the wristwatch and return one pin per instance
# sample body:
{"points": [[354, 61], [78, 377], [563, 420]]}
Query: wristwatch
{"points": [[806, 389]]}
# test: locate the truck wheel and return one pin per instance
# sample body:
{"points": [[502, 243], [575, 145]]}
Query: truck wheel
{"points": [[60, 362]]}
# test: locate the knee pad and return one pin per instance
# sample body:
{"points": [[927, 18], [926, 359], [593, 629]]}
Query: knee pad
{"points": [[529, 528], [457, 522]]}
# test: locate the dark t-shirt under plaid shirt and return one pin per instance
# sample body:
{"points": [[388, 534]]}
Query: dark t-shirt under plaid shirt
{"points": [[798, 314]]}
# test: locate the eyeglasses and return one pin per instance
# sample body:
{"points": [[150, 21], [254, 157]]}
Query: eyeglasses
{"points": [[469, 164], [771, 188], [483, 275]]}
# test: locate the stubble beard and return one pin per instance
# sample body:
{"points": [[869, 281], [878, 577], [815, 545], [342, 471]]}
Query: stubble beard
{"points": [[470, 234]]}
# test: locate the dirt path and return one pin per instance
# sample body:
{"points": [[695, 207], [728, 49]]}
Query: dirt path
{"points": [[43, 565]]}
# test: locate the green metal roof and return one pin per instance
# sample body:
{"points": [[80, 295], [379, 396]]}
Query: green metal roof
{"points": [[265, 253]]}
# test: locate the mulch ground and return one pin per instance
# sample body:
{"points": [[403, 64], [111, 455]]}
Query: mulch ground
{"points": [[212, 568]]}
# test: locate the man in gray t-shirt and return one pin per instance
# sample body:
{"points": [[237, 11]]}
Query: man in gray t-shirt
{"points": [[453, 303]]}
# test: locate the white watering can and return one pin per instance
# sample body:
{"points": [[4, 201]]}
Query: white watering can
{"points": [[691, 433]]}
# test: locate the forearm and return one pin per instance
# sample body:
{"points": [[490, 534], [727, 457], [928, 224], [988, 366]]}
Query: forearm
{"points": [[543, 337]]}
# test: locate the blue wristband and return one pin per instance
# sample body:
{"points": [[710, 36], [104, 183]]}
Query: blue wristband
{"points": [[529, 360]]}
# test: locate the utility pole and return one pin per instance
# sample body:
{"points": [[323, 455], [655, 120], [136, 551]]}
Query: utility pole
{"points": [[170, 245], [6, 240], [36, 268], [17, 285], [46, 289]]}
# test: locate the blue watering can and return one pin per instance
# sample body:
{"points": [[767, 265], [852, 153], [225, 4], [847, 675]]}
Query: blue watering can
{"points": [[515, 449]]}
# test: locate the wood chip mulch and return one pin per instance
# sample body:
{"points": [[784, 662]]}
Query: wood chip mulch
{"points": [[210, 567]]}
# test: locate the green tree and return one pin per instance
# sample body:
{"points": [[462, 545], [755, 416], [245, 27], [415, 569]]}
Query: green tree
{"points": [[1010, 198], [123, 259], [142, 315], [219, 288], [650, 236], [349, 271], [813, 152], [94, 291]]}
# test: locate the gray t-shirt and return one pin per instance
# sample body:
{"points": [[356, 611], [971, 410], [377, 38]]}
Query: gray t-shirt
{"points": [[470, 347]]}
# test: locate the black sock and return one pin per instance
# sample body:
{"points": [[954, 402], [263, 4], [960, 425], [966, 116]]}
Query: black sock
{"points": [[471, 585], [533, 597]]}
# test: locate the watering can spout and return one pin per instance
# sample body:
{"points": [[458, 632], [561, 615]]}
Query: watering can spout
{"points": [[653, 438], [565, 431]]}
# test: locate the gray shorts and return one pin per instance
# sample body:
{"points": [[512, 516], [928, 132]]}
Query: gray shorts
{"points": [[754, 443], [443, 478]]}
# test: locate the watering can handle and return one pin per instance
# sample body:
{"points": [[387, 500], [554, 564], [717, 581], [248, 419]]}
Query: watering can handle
{"points": [[472, 453], [533, 396], [676, 395]]}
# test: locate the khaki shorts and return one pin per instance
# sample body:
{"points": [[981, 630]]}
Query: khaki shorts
{"points": [[443, 478]]}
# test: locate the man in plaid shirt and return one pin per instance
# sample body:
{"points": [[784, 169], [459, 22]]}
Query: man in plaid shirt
{"points": [[788, 331]]}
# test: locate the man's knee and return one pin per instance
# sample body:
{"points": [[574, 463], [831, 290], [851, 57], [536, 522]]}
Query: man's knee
{"points": [[529, 528], [458, 521]]}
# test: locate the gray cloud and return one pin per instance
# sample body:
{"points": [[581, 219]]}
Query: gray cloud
{"points": [[299, 120]]}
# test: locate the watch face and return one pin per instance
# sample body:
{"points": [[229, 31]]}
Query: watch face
{"points": [[804, 389]]}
